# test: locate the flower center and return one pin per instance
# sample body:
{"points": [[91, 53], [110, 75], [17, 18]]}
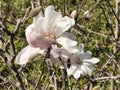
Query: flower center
{"points": [[49, 35], [79, 62]]}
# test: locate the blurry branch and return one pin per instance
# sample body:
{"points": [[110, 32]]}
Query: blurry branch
{"points": [[98, 2], [64, 7], [108, 77], [115, 61], [37, 83], [79, 9], [7, 56], [6, 81], [15, 72], [32, 4], [17, 76], [51, 69], [52, 76], [17, 26], [91, 9], [39, 3], [85, 29], [111, 8], [107, 63], [115, 48], [108, 22], [4, 27], [31, 13]]}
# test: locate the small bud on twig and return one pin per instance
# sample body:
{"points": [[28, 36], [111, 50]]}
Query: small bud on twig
{"points": [[73, 14], [87, 14]]}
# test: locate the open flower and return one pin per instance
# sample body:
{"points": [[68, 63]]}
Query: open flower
{"points": [[50, 29], [81, 63], [46, 31]]}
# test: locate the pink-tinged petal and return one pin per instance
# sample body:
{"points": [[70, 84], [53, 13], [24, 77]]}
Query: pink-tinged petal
{"points": [[68, 44], [36, 39], [51, 18], [63, 25], [54, 52], [73, 14], [28, 54], [63, 53]]}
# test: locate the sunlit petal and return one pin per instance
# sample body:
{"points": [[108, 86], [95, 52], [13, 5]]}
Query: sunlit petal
{"points": [[63, 25], [68, 44], [27, 54], [92, 60], [51, 18]]}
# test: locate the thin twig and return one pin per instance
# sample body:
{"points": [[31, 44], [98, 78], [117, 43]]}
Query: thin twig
{"points": [[108, 77], [50, 80]]}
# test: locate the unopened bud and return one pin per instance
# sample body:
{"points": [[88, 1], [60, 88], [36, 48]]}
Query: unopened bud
{"points": [[73, 14], [87, 15], [35, 11]]}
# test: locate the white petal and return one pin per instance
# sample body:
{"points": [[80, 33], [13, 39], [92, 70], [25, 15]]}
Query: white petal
{"points": [[81, 48], [89, 71], [28, 53], [63, 25], [51, 18], [40, 25], [92, 60], [89, 65], [76, 74], [69, 35], [68, 44], [86, 70], [83, 68], [71, 70]]}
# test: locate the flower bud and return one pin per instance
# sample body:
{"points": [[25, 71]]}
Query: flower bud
{"points": [[87, 14], [73, 14]]}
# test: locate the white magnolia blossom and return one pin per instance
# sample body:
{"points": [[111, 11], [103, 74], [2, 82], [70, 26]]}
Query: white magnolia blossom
{"points": [[44, 32], [81, 63], [50, 29], [28, 54]]}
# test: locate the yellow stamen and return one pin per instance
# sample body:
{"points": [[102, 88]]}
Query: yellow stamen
{"points": [[49, 35]]}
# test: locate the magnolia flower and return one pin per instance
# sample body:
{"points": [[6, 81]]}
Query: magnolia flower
{"points": [[81, 63], [51, 29], [28, 54]]}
